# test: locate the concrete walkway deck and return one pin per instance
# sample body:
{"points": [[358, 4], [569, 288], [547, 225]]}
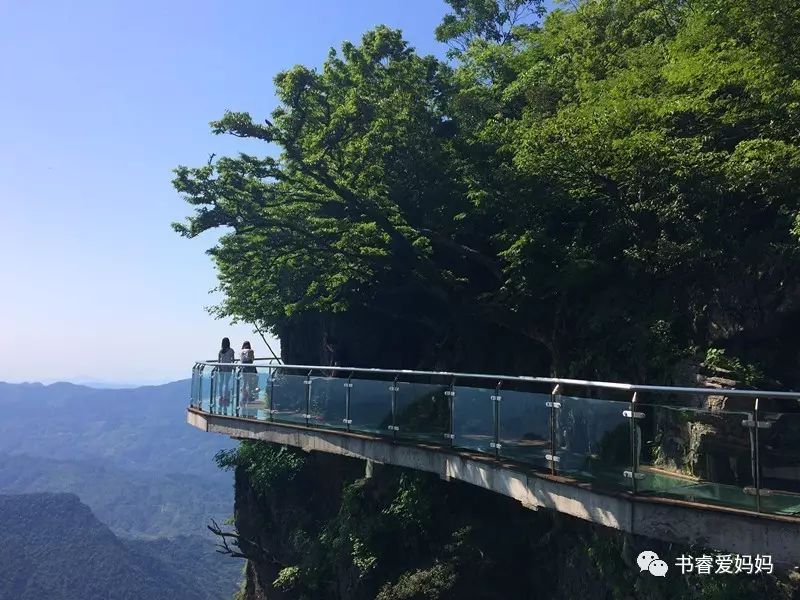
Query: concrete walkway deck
{"points": [[719, 528]]}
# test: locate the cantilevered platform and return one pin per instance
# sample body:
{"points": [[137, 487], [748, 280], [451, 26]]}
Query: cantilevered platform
{"points": [[715, 468]]}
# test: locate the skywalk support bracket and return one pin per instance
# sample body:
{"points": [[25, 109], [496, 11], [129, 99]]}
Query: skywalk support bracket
{"points": [[633, 414], [751, 491], [758, 424]]}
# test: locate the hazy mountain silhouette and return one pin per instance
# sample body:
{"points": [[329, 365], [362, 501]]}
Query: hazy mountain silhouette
{"points": [[52, 546], [140, 429], [130, 456]]}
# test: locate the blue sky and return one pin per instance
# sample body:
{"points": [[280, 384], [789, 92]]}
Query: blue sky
{"points": [[100, 100]]}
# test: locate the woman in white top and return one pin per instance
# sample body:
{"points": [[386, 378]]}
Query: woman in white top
{"points": [[249, 374]]}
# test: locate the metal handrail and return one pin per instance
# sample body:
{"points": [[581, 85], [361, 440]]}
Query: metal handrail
{"points": [[528, 379], [236, 360]]}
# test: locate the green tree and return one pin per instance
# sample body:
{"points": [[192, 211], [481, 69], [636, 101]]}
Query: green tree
{"points": [[600, 194]]}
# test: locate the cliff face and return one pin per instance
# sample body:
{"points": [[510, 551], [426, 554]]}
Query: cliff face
{"points": [[327, 532]]}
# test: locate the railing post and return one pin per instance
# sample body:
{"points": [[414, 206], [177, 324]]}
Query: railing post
{"points": [[634, 450], [193, 390], [199, 401], [496, 416], [554, 404], [202, 376], [237, 382], [198, 391], [394, 388], [212, 402], [308, 398], [756, 456], [348, 388], [451, 395], [270, 403]]}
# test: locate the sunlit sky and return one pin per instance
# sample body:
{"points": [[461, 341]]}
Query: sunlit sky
{"points": [[100, 100]]}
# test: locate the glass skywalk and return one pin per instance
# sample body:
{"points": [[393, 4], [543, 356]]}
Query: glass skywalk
{"points": [[741, 450]]}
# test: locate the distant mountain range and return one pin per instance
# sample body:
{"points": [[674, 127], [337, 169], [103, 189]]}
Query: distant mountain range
{"points": [[129, 455], [54, 548], [136, 504], [134, 429]]}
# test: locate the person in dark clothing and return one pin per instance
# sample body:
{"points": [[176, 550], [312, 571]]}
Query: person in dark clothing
{"points": [[225, 356]]}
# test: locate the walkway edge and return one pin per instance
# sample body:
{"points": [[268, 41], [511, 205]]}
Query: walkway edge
{"points": [[728, 531]]}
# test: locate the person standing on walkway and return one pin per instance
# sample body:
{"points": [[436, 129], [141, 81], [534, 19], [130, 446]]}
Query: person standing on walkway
{"points": [[225, 356], [249, 374]]}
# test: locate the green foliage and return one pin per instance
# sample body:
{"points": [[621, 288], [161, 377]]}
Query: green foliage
{"points": [[612, 187], [422, 584], [740, 371], [266, 465], [607, 558], [496, 21], [287, 578], [404, 535]]}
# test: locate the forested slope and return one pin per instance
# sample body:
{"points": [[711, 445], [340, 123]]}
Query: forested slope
{"points": [[52, 546]]}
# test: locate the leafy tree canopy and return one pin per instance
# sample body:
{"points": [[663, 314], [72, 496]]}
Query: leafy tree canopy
{"points": [[613, 186]]}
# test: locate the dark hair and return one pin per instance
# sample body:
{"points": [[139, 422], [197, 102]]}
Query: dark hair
{"points": [[226, 343], [246, 346]]}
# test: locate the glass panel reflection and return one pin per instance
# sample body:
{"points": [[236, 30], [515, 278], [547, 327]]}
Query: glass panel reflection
{"points": [[328, 403], [254, 393], [194, 396], [779, 455], [697, 455], [223, 384], [524, 427], [422, 412], [204, 388], [473, 418], [289, 397], [593, 440], [371, 406]]}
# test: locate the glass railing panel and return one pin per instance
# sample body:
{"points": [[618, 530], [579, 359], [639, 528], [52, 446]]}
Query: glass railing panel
{"points": [[524, 427], [473, 418], [328, 402], [194, 397], [696, 455], [371, 406], [288, 397], [204, 388], [254, 392], [223, 388], [779, 457], [422, 412], [593, 440]]}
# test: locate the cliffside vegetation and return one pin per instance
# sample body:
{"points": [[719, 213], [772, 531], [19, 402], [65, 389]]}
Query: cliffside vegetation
{"points": [[315, 528]]}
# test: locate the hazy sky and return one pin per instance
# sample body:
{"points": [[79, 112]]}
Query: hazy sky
{"points": [[100, 100]]}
